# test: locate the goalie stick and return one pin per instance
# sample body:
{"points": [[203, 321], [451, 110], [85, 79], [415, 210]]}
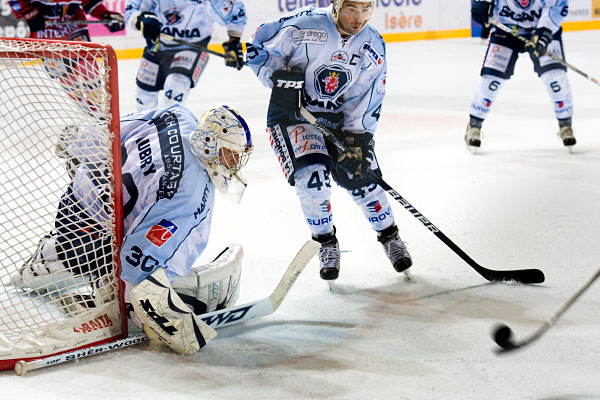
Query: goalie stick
{"points": [[559, 60], [520, 275], [503, 335], [215, 319]]}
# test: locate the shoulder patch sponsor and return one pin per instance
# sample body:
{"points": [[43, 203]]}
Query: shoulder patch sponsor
{"points": [[161, 232], [368, 50], [309, 36]]}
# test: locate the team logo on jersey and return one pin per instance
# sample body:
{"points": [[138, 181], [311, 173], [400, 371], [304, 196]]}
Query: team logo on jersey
{"points": [[326, 206], [161, 232], [375, 206], [330, 80], [523, 3], [340, 56], [173, 17]]}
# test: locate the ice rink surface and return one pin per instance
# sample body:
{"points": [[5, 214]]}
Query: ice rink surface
{"points": [[522, 202]]}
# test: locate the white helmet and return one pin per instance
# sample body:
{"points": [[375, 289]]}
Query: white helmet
{"points": [[223, 143], [338, 4]]}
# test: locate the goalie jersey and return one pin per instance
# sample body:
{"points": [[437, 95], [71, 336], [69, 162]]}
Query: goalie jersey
{"points": [[531, 14], [191, 20], [167, 194], [342, 75]]}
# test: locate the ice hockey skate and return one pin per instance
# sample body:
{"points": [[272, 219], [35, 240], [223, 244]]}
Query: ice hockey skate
{"points": [[473, 138], [43, 272], [395, 249], [329, 256], [566, 135]]}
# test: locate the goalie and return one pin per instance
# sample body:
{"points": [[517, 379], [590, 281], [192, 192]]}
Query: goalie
{"points": [[172, 164]]}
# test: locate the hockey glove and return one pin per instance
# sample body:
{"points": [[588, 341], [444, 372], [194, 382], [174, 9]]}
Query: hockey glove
{"points": [[234, 53], [117, 21], [358, 160], [480, 11], [287, 89], [539, 42], [35, 19], [150, 26]]}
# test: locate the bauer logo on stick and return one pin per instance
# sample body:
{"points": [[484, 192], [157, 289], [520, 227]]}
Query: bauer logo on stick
{"points": [[161, 232]]}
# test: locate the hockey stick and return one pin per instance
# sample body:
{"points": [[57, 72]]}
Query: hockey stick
{"points": [[82, 22], [194, 45], [215, 319], [503, 335], [520, 275], [559, 60]]}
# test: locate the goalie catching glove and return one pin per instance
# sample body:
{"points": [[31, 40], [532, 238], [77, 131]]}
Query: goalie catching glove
{"points": [[166, 317]]}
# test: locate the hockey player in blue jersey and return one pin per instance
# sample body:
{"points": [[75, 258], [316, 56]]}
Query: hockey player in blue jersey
{"points": [[337, 62], [172, 67], [540, 22], [172, 165]]}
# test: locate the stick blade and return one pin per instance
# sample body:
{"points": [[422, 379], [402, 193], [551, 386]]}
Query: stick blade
{"points": [[526, 276]]}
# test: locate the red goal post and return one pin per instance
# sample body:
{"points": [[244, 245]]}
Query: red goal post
{"points": [[59, 123]]}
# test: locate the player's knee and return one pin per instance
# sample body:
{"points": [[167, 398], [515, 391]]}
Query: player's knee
{"points": [[176, 89], [145, 99], [485, 95], [213, 286], [313, 184]]}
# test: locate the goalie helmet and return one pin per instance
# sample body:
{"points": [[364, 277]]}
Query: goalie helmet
{"points": [[223, 143], [337, 7]]}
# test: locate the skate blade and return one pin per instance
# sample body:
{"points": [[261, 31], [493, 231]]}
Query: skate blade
{"points": [[472, 149]]}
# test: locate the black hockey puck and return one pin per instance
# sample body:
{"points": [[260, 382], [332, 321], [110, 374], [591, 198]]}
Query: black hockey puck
{"points": [[503, 337]]}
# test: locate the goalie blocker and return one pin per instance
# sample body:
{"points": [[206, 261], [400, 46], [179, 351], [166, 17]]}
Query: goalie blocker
{"points": [[169, 313]]}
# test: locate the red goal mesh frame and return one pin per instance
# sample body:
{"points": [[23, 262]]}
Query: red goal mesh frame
{"points": [[56, 93]]}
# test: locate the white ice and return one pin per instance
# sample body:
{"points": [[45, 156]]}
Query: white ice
{"points": [[523, 202]]}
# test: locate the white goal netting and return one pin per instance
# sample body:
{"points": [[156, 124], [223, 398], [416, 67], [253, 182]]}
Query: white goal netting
{"points": [[60, 187]]}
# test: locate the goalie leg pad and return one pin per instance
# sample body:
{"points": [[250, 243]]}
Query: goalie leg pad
{"points": [[213, 286], [162, 311]]}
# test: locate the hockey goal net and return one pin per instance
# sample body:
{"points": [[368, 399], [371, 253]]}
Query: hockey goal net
{"points": [[60, 230]]}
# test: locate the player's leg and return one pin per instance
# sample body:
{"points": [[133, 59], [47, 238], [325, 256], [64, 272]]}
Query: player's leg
{"points": [[304, 160], [182, 74], [554, 76], [498, 66], [150, 78]]}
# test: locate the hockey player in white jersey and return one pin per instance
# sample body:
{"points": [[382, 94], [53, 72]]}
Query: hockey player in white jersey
{"points": [[174, 68], [540, 22], [172, 165], [336, 61]]}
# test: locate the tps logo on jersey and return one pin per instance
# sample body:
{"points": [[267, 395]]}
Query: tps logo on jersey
{"points": [[523, 3], [331, 80], [173, 16], [374, 206], [326, 206], [340, 56], [560, 103], [161, 232]]}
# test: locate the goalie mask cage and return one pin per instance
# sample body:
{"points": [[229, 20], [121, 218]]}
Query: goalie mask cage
{"points": [[59, 123]]}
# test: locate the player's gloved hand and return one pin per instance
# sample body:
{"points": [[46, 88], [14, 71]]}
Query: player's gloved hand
{"points": [[150, 26], [287, 89], [35, 19], [117, 21], [539, 42], [234, 53], [480, 11], [351, 161]]}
